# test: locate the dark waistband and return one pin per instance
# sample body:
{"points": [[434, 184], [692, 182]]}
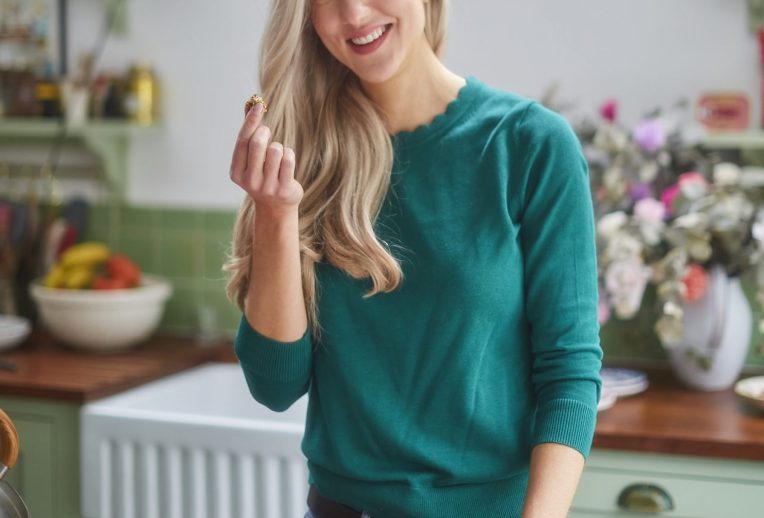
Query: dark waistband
{"points": [[324, 508]]}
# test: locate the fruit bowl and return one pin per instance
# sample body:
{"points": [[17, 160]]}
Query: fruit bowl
{"points": [[102, 320]]}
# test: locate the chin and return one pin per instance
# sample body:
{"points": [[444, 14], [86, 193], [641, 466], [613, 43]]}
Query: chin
{"points": [[378, 75]]}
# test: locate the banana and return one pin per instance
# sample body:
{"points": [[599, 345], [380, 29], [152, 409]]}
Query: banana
{"points": [[55, 277], [78, 277], [87, 254]]}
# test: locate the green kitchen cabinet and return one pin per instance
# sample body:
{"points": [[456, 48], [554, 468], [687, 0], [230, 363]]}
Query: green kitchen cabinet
{"points": [[47, 471], [657, 484]]}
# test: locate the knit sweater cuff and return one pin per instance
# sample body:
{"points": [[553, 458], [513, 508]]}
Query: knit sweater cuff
{"points": [[566, 421], [272, 359]]}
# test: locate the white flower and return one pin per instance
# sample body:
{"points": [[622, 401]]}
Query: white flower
{"points": [[694, 220], [648, 171], [622, 246], [625, 280], [726, 174], [611, 223], [757, 229]]}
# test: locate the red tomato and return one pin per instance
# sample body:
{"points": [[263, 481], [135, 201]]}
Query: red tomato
{"points": [[111, 283], [120, 266], [101, 283]]}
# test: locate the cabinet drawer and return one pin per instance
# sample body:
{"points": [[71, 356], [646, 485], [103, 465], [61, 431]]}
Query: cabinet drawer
{"points": [[692, 496]]}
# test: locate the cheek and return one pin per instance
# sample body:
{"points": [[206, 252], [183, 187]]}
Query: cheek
{"points": [[324, 33]]}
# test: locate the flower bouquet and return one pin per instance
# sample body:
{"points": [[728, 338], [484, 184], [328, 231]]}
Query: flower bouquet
{"points": [[668, 212]]}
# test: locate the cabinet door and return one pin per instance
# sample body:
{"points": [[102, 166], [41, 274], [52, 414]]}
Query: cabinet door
{"points": [[47, 472], [683, 486], [32, 476]]}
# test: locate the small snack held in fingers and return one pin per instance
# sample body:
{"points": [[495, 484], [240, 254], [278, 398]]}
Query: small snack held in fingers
{"points": [[255, 99]]}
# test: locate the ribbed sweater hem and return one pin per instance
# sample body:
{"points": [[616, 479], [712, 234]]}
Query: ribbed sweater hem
{"points": [[501, 498]]}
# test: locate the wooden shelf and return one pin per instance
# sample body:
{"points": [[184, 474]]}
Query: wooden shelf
{"points": [[109, 139], [752, 139], [39, 127]]}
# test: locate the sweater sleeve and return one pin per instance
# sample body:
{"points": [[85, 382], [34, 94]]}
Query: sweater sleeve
{"points": [[277, 373], [561, 295]]}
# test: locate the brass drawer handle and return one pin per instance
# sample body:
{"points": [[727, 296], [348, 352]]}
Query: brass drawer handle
{"points": [[645, 498]]}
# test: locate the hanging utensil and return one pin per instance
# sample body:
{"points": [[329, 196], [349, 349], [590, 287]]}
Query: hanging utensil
{"points": [[76, 213], [52, 245], [11, 504]]}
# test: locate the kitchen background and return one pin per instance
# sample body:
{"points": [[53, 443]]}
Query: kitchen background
{"points": [[177, 207], [138, 432]]}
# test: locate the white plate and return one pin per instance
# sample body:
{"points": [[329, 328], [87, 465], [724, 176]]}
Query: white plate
{"points": [[751, 390], [607, 400], [13, 330], [615, 377], [628, 390]]}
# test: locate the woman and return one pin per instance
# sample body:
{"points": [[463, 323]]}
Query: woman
{"points": [[416, 251]]}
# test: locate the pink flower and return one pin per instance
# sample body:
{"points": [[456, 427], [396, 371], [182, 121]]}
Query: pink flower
{"points": [[650, 136], [668, 198], [692, 176], [695, 282], [609, 109], [650, 210]]}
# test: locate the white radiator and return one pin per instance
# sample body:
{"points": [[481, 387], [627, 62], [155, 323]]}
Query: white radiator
{"points": [[193, 445]]}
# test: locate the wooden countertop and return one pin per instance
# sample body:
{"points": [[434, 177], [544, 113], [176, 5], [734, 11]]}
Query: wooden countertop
{"points": [[669, 418], [48, 369]]}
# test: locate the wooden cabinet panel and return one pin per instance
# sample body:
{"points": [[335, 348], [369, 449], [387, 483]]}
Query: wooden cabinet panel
{"points": [[47, 472]]}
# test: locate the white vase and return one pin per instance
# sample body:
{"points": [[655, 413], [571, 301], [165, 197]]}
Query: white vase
{"points": [[717, 326]]}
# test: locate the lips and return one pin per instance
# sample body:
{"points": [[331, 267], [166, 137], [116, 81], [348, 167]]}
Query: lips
{"points": [[367, 30]]}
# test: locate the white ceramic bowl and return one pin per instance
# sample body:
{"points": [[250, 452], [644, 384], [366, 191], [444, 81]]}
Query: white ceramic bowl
{"points": [[13, 330], [103, 320], [751, 390]]}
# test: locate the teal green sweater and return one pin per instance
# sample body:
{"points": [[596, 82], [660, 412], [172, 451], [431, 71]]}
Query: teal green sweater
{"points": [[427, 401]]}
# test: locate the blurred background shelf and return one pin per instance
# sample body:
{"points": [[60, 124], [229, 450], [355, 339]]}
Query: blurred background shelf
{"points": [[37, 127], [753, 140], [108, 139]]}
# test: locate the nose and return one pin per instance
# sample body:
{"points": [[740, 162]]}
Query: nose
{"points": [[354, 13]]}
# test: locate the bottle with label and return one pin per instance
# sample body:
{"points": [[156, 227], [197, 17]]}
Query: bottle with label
{"points": [[142, 94], [47, 93]]}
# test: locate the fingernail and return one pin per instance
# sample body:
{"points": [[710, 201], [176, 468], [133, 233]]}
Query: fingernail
{"points": [[258, 108]]}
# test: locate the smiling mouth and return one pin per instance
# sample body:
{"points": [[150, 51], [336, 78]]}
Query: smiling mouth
{"points": [[371, 38]]}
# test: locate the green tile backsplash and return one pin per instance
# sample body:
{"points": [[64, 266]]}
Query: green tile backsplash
{"points": [[188, 247]]}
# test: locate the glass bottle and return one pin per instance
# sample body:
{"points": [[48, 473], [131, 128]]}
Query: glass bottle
{"points": [[141, 104]]}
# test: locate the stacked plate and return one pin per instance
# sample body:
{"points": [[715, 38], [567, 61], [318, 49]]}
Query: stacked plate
{"points": [[751, 390], [618, 382]]}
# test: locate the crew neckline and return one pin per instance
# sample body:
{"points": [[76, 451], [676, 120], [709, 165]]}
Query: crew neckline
{"points": [[457, 108]]}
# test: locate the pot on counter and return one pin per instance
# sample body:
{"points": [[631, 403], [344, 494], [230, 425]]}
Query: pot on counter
{"points": [[11, 504]]}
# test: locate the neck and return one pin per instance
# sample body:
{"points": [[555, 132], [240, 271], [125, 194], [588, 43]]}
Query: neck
{"points": [[417, 93]]}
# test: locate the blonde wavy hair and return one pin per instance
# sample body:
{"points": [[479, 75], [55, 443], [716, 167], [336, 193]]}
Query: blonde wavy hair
{"points": [[344, 155]]}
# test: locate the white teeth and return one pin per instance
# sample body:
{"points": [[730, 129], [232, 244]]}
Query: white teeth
{"points": [[371, 37]]}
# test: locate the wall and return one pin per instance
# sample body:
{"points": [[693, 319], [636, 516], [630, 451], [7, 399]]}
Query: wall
{"points": [[646, 53]]}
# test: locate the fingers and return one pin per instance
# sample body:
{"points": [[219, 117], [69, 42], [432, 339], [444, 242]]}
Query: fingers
{"points": [[251, 123], [271, 168], [286, 171], [258, 145], [263, 168]]}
